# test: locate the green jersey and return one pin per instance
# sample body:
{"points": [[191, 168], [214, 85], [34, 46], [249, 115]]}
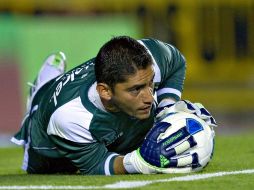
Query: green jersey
{"points": [[68, 119]]}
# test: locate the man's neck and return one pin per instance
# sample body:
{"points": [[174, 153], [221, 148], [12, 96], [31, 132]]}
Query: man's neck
{"points": [[109, 106]]}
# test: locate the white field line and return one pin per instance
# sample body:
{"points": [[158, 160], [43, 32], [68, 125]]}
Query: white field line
{"points": [[132, 184]]}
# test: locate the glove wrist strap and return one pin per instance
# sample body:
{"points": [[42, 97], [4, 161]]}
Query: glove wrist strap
{"points": [[128, 164]]}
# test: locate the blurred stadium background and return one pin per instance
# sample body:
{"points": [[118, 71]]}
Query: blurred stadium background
{"points": [[215, 36]]}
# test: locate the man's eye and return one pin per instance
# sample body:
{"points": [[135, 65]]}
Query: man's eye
{"points": [[135, 91]]}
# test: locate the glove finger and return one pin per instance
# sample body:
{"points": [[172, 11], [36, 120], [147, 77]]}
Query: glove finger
{"points": [[205, 115], [179, 147], [211, 122], [185, 106], [184, 160], [203, 112], [161, 127]]}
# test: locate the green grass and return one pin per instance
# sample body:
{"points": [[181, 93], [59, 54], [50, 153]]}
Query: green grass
{"points": [[232, 153]]}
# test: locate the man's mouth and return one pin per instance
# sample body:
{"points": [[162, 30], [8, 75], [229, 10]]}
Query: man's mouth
{"points": [[145, 109]]}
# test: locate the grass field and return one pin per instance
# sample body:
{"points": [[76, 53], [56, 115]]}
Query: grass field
{"points": [[233, 154]]}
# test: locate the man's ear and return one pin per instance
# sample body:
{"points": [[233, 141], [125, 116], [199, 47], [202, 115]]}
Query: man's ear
{"points": [[104, 91]]}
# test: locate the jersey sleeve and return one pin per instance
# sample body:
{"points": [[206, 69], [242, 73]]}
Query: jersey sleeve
{"points": [[89, 158], [170, 68]]}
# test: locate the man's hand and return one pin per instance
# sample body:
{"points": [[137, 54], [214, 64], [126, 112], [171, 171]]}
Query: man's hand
{"points": [[188, 107], [160, 151], [134, 163]]}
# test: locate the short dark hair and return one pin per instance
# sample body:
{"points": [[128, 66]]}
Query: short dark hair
{"points": [[118, 58]]}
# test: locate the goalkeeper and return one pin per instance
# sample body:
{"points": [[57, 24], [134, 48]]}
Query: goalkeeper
{"points": [[92, 118]]}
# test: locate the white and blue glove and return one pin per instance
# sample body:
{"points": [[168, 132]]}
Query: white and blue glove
{"points": [[186, 106], [161, 151]]}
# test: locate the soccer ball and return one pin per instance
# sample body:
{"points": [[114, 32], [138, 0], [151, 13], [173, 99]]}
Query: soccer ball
{"points": [[199, 129], [178, 140]]}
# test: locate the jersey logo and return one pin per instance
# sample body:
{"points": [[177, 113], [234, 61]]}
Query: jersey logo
{"points": [[67, 78]]}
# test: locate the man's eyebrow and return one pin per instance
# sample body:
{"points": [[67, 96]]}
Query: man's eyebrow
{"points": [[139, 85], [136, 86]]}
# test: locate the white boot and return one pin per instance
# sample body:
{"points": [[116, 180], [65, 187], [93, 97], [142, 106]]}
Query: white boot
{"points": [[53, 66]]}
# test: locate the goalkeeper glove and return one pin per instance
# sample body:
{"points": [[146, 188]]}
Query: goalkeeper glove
{"points": [[160, 154], [186, 106], [134, 163]]}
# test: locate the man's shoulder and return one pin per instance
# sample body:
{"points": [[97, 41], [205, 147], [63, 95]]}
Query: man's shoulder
{"points": [[71, 121], [156, 46], [81, 123]]}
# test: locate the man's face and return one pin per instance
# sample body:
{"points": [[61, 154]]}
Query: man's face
{"points": [[134, 96]]}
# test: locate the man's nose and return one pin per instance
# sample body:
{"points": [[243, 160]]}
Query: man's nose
{"points": [[148, 95]]}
